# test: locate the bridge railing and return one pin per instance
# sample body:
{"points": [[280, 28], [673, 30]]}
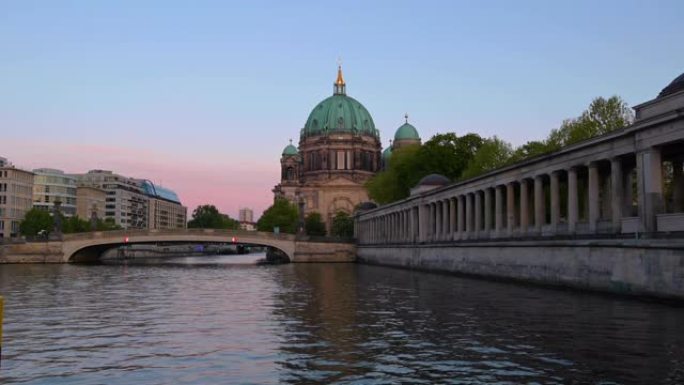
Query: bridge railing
{"points": [[228, 233]]}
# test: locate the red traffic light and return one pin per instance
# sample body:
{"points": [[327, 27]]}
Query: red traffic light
{"points": [[234, 239], [126, 240]]}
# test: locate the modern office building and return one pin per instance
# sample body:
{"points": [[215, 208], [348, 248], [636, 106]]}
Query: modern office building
{"points": [[16, 197], [50, 186], [165, 210], [125, 201], [136, 203], [89, 201]]}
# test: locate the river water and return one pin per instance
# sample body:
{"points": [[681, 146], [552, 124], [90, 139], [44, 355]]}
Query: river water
{"points": [[221, 320]]}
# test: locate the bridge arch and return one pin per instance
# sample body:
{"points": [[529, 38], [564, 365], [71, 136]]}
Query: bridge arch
{"points": [[90, 246]]}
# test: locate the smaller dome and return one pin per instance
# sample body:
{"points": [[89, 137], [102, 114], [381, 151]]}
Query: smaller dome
{"points": [[434, 180], [387, 153], [406, 132], [290, 150], [366, 206], [674, 86]]}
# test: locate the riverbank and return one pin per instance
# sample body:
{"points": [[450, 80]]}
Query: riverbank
{"points": [[651, 268]]}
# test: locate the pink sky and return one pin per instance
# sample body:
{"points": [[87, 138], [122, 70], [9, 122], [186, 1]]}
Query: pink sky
{"points": [[217, 179]]}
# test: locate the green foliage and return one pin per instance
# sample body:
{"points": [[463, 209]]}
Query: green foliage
{"points": [[446, 154], [209, 217], [75, 225], [470, 155], [342, 225], [36, 220], [492, 154], [281, 214], [313, 224], [107, 225]]}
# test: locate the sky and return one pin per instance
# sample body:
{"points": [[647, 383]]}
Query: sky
{"points": [[202, 96]]}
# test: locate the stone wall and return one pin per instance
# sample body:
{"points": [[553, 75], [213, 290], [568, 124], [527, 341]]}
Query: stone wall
{"points": [[39, 252], [324, 252], [651, 268]]}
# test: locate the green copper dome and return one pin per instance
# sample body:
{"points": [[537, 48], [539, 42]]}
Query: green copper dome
{"points": [[339, 113], [290, 150], [387, 153], [406, 132]]}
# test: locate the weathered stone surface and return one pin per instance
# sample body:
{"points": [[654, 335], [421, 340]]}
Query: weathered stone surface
{"points": [[647, 269]]}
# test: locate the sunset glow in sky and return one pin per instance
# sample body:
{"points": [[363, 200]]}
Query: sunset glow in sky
{"points": [[202, 96]]}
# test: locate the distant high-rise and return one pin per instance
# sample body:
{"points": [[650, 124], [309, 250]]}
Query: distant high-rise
{"points": [[246, 215]]}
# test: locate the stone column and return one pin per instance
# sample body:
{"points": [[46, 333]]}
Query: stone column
{"points": [[594, 212], [539, 204], [422, 223], [487, 211], [524, 209], [445, 219], [616, 199], [510, 207], [478, 213], [469, 215], [554, 186], [438, 221], [461, 216], [650, 182], [498, 210], [452, 218], [572, 200], [627, 193]]}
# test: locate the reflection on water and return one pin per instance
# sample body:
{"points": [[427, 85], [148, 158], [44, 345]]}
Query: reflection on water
{"points": [[218, 323]]}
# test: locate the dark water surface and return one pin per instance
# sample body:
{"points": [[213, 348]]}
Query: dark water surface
{"points": [[215, 323]]}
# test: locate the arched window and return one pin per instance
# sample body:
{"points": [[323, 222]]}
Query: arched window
{"points": [[340, 122], [290, 174]]}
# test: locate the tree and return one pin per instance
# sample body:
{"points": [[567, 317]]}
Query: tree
{"points": [[107, 224], [313, 224], [75, 224], [492, 154], [209, 217], [36, 220], [601, 117], [342, 225], [282, 214], [448, 154]]}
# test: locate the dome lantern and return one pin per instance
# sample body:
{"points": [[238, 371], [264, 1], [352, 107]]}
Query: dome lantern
{"points": [[339, 87]]}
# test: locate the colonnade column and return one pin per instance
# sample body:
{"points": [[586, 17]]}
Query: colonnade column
{"points": [[445, 219], [524, 210], [461, 216], [498, 209], [650, 182], [469, 215], [510, 207], [452, 218], [487, 210], [554, 187], [572, 200], [616, 196], [593, 196], [478, 213], [421, 223], [438, 221], [539, 204]]}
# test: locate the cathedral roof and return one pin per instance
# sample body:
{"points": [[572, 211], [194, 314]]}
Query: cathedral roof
{"points": [[339, 113], [290, 150], [406, 132]]}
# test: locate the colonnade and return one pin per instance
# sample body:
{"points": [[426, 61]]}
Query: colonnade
{"points": [[640, 192]]}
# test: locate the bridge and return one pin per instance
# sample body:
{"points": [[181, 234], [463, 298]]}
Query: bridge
{"points": [[589, 215], [85, 247]]}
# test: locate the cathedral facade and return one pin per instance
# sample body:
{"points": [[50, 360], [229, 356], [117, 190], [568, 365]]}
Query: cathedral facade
{"points": [[339, 150]]}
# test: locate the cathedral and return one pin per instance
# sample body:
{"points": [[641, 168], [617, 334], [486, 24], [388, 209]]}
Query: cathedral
{"points": [[339, 150]]}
